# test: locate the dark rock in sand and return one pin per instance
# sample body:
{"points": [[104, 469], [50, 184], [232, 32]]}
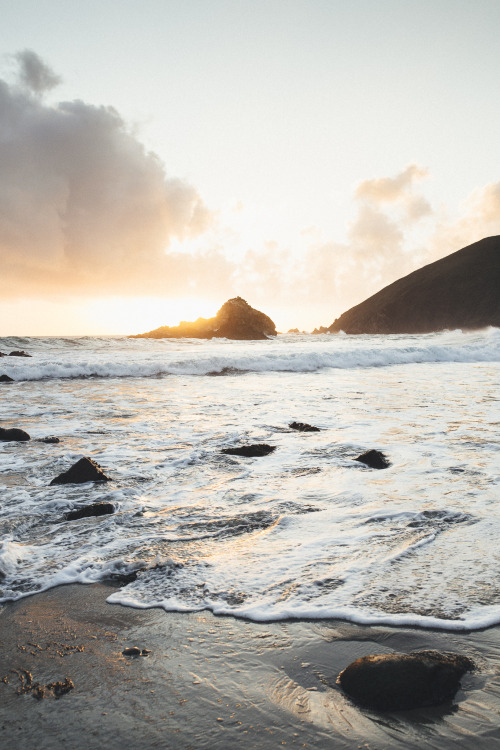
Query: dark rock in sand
{"points": [[395, 682], [458, 291], [85, 470], [19, 354], [6, 379], [374, 459], [87, 511], [235, 320], [250, 451], [14, 434], [50, 439], [303, 427], [132, 651]]}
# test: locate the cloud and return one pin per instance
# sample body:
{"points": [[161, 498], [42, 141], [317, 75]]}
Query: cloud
{"points": [[390, 189], [84, 208], [479, 217], [397, 190], [376, 250], [34, 73]]}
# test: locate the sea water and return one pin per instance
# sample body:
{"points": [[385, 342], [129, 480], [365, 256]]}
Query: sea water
{"points": [[304, 532]]}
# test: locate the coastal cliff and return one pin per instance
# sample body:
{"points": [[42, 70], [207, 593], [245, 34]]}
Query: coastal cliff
{"points": [[461, 290], [235, 320]]}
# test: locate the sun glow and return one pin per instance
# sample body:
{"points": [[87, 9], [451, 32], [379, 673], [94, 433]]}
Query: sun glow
{"points": [[121, 315], [99, 317]]}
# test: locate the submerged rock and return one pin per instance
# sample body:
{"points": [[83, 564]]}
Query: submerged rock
{"points": [[395, 682], [6, 379], [50, 439], [19, 354], [250, 451], [14, 434], [374, 459], [135, 651], [85, 470], [235, 320], [87, 511], [303, 427]]}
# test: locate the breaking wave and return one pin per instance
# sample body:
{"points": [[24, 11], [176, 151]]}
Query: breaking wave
{"points": [[151, 358]]}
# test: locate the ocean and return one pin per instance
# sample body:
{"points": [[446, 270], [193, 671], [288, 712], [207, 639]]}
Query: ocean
{"points": [[304, 532]]}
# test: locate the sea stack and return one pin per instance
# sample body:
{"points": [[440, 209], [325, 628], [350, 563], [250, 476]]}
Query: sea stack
{"points": [[459, 291], [235, 320]]}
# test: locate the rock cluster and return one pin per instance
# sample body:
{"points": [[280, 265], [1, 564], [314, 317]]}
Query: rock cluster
{"points": [[15, 354], [6, 378], [235, 320]]}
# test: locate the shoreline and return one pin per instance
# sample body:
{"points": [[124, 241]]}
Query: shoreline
{"points": [[213, 681]]}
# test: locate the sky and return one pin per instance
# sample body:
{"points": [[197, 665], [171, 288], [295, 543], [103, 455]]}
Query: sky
{"points": [[159, 157]]}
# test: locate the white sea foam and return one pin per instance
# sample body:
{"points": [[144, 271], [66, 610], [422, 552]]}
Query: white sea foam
{"points": [[153, 358], [303, 532]]}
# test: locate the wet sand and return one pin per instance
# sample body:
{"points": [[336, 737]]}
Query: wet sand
{"points": [[217, 682]]}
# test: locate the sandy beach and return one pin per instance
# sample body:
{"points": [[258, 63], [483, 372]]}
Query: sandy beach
{"points": [[218, 681]]}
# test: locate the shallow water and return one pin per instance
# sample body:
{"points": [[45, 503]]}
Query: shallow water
{"points": [[303, 532]]}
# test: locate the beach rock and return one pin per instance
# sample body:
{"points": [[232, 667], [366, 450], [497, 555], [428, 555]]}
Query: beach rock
{"points": [[303, 427], [2, 354], [87, 511], [235, 320], [14, 434], [6, 379], [250, 451], [395, 682], [50, 439], [19, 354], [458, 291], [374, 459], [85, 470], [132, 651], [321, 329]]}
